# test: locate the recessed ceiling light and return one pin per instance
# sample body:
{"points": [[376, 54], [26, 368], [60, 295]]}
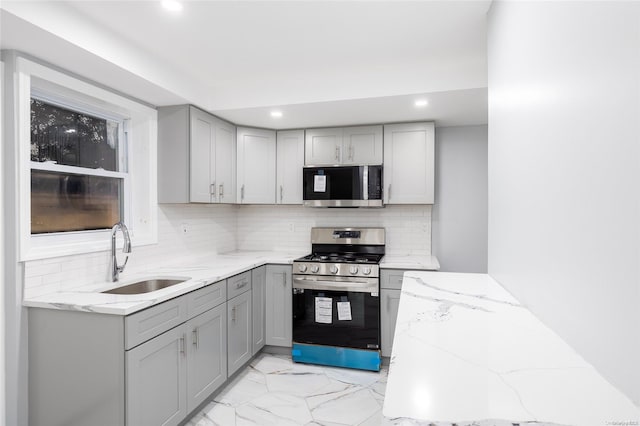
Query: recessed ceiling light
{"points": [[276, 114], [421, 103], [172, 5]]}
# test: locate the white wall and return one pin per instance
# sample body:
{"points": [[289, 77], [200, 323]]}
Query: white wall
{"points": [[408, 228], [459, 222], [564, 173]]}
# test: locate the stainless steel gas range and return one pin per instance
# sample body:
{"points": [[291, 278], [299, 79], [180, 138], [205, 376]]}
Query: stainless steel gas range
{"points": [[336, 298]]}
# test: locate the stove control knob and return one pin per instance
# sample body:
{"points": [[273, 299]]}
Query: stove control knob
{"points": [[302, 267], [315, 269], [366, 270], [333, 269], [353, 270]]}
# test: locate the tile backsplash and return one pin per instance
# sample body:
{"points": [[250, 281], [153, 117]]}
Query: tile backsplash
{"points": [[186, 230], [209, 229], [408, 228]]}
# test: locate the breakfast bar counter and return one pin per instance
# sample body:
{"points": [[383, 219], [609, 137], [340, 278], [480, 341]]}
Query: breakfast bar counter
{"points": [[467, 352]]}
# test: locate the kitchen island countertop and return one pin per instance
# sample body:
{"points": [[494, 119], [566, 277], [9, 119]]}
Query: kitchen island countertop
{"points": [[467, 352]]}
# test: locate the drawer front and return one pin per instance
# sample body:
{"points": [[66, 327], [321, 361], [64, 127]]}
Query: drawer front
{"points": [[151, 322], [208, 297], [391, 278], [238, 284]]}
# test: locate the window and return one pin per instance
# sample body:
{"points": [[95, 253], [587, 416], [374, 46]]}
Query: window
{"points": [[86, 159], [77, 180]]}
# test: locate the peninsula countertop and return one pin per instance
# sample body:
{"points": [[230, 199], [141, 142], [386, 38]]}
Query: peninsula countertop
{"points": [[467, 352]]}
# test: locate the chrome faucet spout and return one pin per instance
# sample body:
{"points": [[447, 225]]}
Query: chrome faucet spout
{"points": [[126, 248]]}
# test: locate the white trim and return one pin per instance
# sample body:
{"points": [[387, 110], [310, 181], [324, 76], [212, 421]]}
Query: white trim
{"points": [[50, 166], [138, 139]]}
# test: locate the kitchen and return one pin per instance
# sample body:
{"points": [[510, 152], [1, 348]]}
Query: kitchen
{"points": [[554, 244]]}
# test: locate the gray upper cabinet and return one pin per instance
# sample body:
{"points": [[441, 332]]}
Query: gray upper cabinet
{"points": [[289, 163], [196, 157], [362, 145], [279, 311], [348, 145], [322, 146], [239, 323], [409, 157], [258, 293], [256, 154]]}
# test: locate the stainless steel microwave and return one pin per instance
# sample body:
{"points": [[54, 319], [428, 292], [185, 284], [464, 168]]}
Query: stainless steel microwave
{"points": [[342, 186]]}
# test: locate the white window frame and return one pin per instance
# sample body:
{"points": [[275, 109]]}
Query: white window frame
{"points": [[138, 138]]}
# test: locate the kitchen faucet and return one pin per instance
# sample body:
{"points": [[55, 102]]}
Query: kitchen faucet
{"points": [[126, 248]]}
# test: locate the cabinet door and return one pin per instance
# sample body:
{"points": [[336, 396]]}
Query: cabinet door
{"points": [[362, 145], [156, 380], [279, 305], [207, 355], [323, 147], [258, 288], [409, 163], [238, 331], [389, 300], [202, 157], [225, 162], [289, 163], [256, 166]]}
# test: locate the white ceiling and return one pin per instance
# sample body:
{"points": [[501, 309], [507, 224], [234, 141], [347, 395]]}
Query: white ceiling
{"points": [[321, 63]]}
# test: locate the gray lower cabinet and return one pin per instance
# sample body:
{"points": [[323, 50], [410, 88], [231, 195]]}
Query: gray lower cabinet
{"points": [[171, 374], [389, 301], [239, 347], [390, 287], [206, 355], [156, 380], [153, 367], [279, 305], [258, 292]]}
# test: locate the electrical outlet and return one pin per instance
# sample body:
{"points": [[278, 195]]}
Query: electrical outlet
{"points": [[184, 228], [292, 227]]}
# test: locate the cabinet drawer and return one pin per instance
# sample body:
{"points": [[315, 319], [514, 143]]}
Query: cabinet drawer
{"points": [[391, 278], [238, 284], [208, 297], [149, 323]]}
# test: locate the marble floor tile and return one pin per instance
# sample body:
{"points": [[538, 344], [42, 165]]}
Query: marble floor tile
{"points": [[273, 390]]}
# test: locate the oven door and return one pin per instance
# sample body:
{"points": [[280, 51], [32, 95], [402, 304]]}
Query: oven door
{"points": [[336, 311]]}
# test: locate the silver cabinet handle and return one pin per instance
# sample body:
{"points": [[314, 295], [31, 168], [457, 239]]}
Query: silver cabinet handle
{"points": [[242, 193], [242, 284], [181, 345], [389, 193], [221, 190], [233, 314], [337, 153], [212, 189], [284, 279], [195, 337], [281, 193]]}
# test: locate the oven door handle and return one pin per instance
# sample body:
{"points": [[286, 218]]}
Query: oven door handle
{"points": [[358, 287]]}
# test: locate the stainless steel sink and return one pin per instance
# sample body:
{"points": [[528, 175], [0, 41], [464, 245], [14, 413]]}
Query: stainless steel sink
{"points": [[146, 286]]}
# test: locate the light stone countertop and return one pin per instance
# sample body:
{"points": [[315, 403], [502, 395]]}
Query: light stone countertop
{"points": [[466, 352], [201, 272], [410, 262]]}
